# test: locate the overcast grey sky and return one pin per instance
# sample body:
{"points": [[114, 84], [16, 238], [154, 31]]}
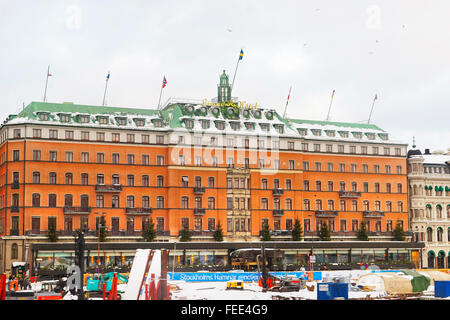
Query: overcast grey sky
{"points": [[399, 50]]}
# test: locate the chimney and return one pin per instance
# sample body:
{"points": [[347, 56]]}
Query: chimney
{"points": [[427, 151]]}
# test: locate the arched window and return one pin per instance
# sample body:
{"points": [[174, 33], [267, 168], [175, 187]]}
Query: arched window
{"points": [[439, 234], [439, 211], [431, 256], [184, 202], [36, 200], [306, 205], [440, 259], [428, 210], [366, 205], [429, 235], [288, 204], [388, 188], [318, 204], [264, 184], [14, 251], [388, 206], [69, 178], [130, 201]]}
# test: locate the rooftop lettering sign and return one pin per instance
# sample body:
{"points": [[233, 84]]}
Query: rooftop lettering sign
{"points": [[239, 104]]}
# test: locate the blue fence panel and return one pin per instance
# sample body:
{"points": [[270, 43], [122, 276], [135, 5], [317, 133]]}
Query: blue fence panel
{"points": [[226, 276]]}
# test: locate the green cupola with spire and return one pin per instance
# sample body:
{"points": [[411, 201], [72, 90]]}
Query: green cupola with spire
{"points": [[223, 89]]}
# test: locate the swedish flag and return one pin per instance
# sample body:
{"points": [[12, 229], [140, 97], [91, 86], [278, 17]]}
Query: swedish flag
{"points": [[241, 55]]}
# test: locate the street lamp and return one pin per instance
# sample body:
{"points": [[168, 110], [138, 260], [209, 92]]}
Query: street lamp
{"points": [[99, 226]]}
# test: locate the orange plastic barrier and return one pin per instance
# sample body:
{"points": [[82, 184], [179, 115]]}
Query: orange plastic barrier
{"points": [[49, 298], [11, 284]]}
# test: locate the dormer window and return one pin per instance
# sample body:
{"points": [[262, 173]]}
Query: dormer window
{"points": [[205, 124], [330, 133], [357, 135], [302, 131], [344, 134], [139, 122], [220, 125], [121, 121], [279, 128], [189, 123], [370, 136], [264, 126], [316, 132], [235, 125], [43, 116], [64, 117], [383, 136], [102, 120], [84, 119], [250, 126], [157, 123]]}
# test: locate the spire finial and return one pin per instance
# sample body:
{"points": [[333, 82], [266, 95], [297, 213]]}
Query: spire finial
{"points": [[414, 142]]}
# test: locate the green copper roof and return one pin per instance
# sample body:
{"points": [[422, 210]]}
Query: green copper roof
{"points": [[30, 110], [173, 117], [339, 124]]}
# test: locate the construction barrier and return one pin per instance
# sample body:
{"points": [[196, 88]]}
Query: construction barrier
{"points": [[2, 287], [227, 276]]}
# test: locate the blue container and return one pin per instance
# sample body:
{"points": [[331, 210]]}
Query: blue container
{"points": [[442, 289], [331, 290]]}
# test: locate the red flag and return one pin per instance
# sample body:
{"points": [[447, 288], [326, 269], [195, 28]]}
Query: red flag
{"points": [[164, 82], [376, 97]]}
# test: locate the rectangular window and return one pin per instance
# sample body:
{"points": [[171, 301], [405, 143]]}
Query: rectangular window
{"points": [[146, 139], [100, 136], [304, 147], [53, 134], [37, 155], [85, 157], [116, 137], [100, 157], [53, 156], [85, 135], [130, 138], [115, 158], [37, 133], [130, 158], [52, 200], [69, 156], [160, 160], [69, 134], [291, 164], [145, 159]]}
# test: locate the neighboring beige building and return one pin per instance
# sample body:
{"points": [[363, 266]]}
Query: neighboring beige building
{"points": [[429, 190]]}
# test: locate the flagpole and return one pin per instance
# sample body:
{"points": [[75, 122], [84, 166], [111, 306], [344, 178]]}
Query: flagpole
{"points": [[159, 101], [371, 109], [106, 87], [285, 108], [329, 108], [235, 71], [46, 83]]}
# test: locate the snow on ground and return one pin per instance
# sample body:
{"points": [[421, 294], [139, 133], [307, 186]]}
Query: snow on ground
{"points": [[218, 291]]}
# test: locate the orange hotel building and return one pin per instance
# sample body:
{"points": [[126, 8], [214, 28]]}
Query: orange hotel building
{"points": [[194, 164]]}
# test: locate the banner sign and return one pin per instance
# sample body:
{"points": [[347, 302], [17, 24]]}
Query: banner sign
{"points": [[227, 276]]}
